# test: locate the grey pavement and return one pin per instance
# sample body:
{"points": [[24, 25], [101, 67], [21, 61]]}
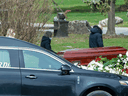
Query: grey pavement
{"points": [[118, 30], [45, 26]]}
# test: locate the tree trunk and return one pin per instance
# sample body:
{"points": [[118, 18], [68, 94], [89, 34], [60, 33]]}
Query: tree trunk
{"points": [[111, 19]]}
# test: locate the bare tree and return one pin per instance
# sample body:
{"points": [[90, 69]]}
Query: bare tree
{"points": [[21, 15]]}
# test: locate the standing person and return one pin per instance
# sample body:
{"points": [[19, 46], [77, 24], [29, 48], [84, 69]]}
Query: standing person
{"points": [[46, 41], [95, 38]]}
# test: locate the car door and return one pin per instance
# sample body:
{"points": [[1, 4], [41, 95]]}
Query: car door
{"points": [[10, 80], [41, 76]]}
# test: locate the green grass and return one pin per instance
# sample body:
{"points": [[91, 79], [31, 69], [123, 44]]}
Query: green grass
{"points": [[123, 42], [77, 8], [74, 40], [82, 41], [92, 18], [70, 3], [124, 17], [81, 11], [78, 5]]}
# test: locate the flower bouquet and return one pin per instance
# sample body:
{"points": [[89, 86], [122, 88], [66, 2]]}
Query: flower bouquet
{"points": [[118, 65]]}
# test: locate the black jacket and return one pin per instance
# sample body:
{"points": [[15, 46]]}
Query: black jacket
{"points": [[45, 43], [95, 38]]}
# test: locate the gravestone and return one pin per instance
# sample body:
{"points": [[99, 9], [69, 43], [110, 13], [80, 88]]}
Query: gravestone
{"points": [[60, 25]]}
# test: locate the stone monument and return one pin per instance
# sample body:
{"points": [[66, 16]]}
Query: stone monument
{"points": [[60, 25]]}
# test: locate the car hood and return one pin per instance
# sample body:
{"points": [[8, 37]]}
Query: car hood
{"points": [[100, 74]]}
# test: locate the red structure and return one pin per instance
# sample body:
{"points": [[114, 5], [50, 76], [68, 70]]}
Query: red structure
{"points": [[84, 56]]}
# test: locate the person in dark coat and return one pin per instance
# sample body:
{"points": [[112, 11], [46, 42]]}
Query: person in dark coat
{"points": [[95, 38], [46, 41]]}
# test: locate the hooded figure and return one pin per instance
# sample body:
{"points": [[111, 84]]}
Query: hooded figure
{"points": [[46, 41], [95, 39]]}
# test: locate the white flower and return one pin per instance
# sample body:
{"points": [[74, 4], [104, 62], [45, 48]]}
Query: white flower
{"points": [[125, 61], [92, 62], [107, 68], [123, 73], [122, 58], [100, 68], [99, 64], [117, 68], [112, 71], [125, 66], [76, 64], [104, 71], [79, 66], [93, 65], [127, 53], [83, 67], [120, 55], [117, 72], [120, 70], [127, 58], [110, 65], [90, 68], [118, 60]]}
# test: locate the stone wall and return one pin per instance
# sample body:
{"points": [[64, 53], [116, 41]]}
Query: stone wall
{"points": [[78, 27]]}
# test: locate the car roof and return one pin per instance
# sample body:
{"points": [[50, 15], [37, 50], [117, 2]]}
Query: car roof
{"points": [[13, 42]]}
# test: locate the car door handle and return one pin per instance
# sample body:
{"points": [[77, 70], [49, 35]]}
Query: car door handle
{"points": [[31, 77]]}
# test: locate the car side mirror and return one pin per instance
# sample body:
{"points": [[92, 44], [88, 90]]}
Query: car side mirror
{"points": [[65, 70]]}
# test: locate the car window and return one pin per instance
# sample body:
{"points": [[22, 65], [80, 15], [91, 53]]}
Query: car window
{"points": [[9, 58], [38, 60], [4, 58]]}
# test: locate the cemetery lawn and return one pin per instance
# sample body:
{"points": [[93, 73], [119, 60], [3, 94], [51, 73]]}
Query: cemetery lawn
{"points": [[77, 3], [80, 11], [92, 18], [82, 41]]}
